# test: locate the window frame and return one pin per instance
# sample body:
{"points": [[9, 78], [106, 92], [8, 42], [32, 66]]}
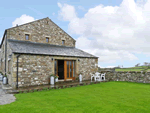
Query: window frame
{"points": [[9, 66], [63, 42], [46, 39], [26, 37]]}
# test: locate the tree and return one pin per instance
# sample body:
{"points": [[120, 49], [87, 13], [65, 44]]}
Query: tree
{"points": [[137, 65], [145, 63]]}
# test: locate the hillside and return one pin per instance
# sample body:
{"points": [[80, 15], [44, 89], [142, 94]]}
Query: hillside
{"points": [[140, 68]]}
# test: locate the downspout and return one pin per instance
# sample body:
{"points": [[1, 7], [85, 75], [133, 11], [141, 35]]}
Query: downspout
{"points": [[5, 51], [17, 70]]}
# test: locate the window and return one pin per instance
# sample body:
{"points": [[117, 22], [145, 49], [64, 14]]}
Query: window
{"points": [[27, 36], [63, 42], [47, 39], [56, 69], [9, 67], [1, 65]]}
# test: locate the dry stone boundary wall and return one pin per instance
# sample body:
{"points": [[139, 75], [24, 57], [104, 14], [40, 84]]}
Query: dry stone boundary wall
{"points": [[128, 76]]}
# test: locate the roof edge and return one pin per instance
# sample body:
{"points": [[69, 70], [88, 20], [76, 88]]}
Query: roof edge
{"points": [[32, 22], [28, 23], [3, 37], [87, 53], [53, 55], [62, 30], [18, 26], [29, 42]]}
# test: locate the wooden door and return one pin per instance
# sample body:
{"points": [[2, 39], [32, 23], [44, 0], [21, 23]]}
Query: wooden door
{"points": [[69, 69]]}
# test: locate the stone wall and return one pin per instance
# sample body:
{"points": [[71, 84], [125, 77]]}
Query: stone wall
{"points": [[2, 57], [0, 61], [88, 66], [39, 30], [9, 64], [131, 77], [36, 69]]}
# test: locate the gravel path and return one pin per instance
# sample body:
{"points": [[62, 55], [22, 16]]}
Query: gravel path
{"points": [[6, 98]]}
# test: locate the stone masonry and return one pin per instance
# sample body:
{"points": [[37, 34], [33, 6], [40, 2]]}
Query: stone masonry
{"points": [[39, 30], [36, 69], [131, 77]]}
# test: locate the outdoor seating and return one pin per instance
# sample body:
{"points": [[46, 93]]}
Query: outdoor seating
{"points": [[96, 76], [92, 76], [103, 76]]}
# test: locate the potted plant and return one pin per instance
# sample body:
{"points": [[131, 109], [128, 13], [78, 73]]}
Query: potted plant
{"points": [[52, 79], [80, 77], [56, 78], [1, 76], [5, 80]]}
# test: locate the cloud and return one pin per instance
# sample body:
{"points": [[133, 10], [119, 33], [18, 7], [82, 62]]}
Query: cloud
{"points": [[111, 66], [101, 66], [107, 66], [111, 32], [81, 8], [22, 20], [67, 12]]}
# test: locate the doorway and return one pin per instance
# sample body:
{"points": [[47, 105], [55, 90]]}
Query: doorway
{"points": [[61, 69], [65, 69], [69, 69]]}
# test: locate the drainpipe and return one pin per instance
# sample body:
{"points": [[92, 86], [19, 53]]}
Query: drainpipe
{"points": [[5, 50], [17, 70]]}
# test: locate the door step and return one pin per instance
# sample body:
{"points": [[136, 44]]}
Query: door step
{"points": [[67, 81]]}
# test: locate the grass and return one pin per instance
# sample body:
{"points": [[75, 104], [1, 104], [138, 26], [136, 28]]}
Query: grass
{"points": [[108, 97], [129, 69], [140, 68]]}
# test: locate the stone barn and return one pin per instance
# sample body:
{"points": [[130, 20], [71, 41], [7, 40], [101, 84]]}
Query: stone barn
{"points": [[32, 51]]}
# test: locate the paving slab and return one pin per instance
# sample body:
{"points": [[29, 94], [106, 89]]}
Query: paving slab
{"points": [[5, 98]]}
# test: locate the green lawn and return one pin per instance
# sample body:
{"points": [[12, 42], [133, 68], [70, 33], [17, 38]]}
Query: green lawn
{"points": [[129, 69], [108, 97], [140, 68]]}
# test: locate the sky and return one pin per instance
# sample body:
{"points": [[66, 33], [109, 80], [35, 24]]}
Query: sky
{"points": [[116, 31]]}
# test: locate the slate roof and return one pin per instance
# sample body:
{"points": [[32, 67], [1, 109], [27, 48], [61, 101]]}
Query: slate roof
{"points": [[27, 47]]}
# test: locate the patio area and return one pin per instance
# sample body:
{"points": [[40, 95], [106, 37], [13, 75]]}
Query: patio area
{"points": [[59, 85]]}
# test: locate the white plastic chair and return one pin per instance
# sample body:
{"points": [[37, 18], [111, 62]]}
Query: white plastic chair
{"points": [[97, 76], [103, 76], [92, 76]]}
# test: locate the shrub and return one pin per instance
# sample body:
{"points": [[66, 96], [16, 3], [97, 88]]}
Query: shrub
{"points": [[69, 86], [1, 73], [92, 83], [77, 78], [45, 88], [64, 86], [35, 90], [50, 88], [25, 91], [144, 72], [40, 89]]}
